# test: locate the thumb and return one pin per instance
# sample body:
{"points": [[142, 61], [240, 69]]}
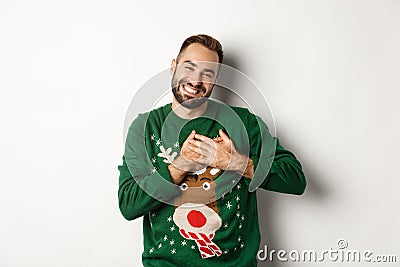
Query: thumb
{"points": [[223, 135], [191, 135]]}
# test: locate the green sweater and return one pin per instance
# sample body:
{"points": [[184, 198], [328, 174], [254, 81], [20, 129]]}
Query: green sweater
{"points": [[228, 233]]}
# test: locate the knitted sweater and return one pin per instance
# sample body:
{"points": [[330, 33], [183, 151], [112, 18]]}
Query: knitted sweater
{"points": [[224, 232]]}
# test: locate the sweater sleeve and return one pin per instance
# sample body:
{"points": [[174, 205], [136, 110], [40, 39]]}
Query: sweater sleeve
{"points": [[141, 190], [276, 168]]}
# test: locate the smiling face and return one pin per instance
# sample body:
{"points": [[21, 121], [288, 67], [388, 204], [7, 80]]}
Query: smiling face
{"points": [[194, 75]]}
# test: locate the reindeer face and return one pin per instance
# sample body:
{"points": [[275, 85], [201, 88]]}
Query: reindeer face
{"points": [[196, 212], [196, 207], [199, 187]]}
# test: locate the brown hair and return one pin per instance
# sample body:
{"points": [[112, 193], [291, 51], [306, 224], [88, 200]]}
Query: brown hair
{"points": [[206, 41]]}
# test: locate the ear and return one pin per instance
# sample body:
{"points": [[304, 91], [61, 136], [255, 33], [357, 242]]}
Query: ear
{"points": [[173, 66], [210, 173]]}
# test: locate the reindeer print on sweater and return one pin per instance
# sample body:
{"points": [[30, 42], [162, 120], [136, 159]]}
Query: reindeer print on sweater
{"points": [[196, 211]]}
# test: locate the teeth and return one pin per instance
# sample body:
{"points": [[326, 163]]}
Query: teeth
{"points": [[190, 90]]}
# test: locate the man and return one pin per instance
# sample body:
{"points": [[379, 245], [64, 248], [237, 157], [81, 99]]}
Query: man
{"points": [[188, 167]]}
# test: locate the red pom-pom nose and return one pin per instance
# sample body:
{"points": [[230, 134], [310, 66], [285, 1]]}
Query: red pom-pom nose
{"points": [[196, 218]]}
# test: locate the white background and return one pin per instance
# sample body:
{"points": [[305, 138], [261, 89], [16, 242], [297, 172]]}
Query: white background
{"points": [[69, 69]]}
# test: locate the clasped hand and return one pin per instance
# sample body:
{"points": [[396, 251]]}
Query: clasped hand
{"points": [[199, 151]]}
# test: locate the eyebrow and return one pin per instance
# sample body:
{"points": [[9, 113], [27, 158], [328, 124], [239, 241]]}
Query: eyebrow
{"points": [[195, 65], [205, 178]]}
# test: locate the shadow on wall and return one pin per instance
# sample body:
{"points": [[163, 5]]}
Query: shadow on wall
{"points": [[227, 95], [268, 202], [269, 213]]}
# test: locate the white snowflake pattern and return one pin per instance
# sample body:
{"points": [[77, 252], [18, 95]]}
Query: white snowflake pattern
{"points": [[154, 170], [193, 247], [173, 251], [233, 182], [184, 243], [176, 144], [239, 238], [240, 226], [229, 205], [238, 206], [226, 225], [165, 238], [172, 228], [242, 245], [234, 248], [169, 218], [226, 251], [242, 217], [172, 242], [238, 186], [151, 250], [158, 142], [237, 198], [152, 137], [153, 160], [165, 153], [153, 214], [159, 245], [238, 214]]}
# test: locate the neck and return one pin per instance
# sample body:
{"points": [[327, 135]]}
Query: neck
{"points": [[188, 113]]}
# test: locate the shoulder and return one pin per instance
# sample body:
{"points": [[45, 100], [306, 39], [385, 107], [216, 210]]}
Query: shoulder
{"points": [[241, 111], [252, 121], [155, 115], [245, 115]]}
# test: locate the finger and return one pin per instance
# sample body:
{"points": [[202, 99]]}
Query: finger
{"points": [[201, 137], [201, 151], [195, 149], [209, 146], [196, 143], [223, 135], [191, 135]]}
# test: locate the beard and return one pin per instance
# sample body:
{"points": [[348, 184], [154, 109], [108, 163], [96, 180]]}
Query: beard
{"points": [[185, 100]]}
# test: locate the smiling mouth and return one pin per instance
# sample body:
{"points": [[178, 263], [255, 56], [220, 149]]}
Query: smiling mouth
{"points": [[191, 91]]}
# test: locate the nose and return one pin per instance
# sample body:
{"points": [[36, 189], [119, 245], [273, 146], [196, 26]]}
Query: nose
{"points": [[195, 77], [196, 82], [196, 218]]}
